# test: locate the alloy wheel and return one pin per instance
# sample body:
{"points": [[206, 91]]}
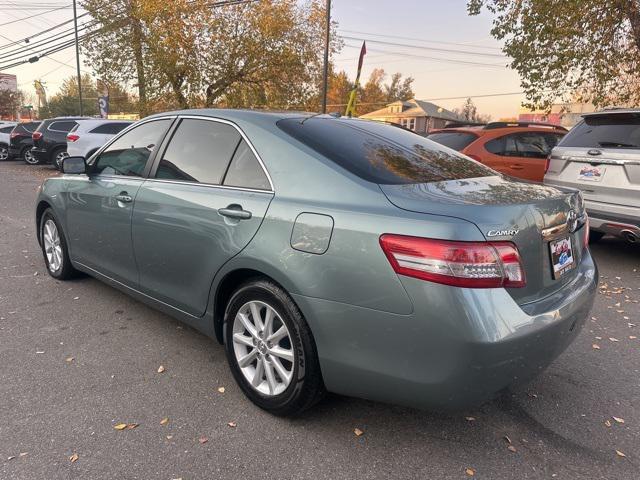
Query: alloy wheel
{"points": [[59, 157], [263, 348], [29, 158], [52, 247], [4, 153]]}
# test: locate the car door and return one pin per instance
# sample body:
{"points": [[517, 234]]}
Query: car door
{"points": [[532, 151], [203, 202], [100, 204]]}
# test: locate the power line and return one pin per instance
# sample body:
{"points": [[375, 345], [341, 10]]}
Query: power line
{"points": [[419, 39], [31, 16], [42, 32], [434, 49]]}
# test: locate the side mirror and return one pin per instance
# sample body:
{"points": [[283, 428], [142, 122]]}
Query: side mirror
{"points": [[74, 165]]}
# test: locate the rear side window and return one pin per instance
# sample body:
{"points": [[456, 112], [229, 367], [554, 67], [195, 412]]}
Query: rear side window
{"points": [[615, 130], [110, 128], [524, 144], [62, 126], [245, 170], [129, 154], [7, 129], [199, 151], [31, 126], [382, 153], [456, 140]]}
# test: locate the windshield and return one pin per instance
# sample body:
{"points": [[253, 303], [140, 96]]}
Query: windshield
{"points": [[614, 130], [382, 154]]}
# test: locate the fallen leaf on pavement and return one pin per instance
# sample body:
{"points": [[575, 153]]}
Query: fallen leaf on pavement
{"points": [[11, 457], [596, 346], [203, 439], [69, 359], [632, 337], [470, 419], [164, 421], [358, 432], [74, 458], [131, 426], [221, 389], [507, 439], [613, 339], [120, 426], [232, 424], [620, 454], [511, 448], [169, 437], [607, 423], [24, 454], [618, 419], [160, 369], [470, 471]]}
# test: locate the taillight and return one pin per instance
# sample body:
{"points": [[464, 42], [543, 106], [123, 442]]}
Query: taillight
{"points": [[547, 162], [461, 264], [72, 137], [36, 135]]}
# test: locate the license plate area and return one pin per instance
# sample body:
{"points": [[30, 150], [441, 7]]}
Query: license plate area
{"points": [[590, 173], [562, 256]]}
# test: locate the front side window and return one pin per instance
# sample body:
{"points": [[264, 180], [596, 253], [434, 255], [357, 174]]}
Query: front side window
{"points": [[525, 145], [199, 151], [380, 153], [129, 154], [456, 140]]}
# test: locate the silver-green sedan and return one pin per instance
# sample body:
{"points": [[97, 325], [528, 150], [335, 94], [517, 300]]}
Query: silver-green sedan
{"points": [[329, 254]]}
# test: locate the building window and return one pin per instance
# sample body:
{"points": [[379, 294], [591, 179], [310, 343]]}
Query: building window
{"points": [[408, 123]]}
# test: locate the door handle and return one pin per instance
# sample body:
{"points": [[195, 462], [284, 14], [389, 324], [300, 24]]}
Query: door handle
{"points": [[124, 197], [235, 211], [517, 166]]}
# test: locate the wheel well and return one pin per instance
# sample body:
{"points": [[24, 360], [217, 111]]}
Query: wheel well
{"points": [[42, 206], [225, 290], [55, 151]]}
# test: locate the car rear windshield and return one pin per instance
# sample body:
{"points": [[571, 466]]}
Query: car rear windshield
{"points": [[614, 130], [380, 153], [456, 140]]}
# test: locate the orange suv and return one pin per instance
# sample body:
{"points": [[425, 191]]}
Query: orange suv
{"points": [[518, 149]]}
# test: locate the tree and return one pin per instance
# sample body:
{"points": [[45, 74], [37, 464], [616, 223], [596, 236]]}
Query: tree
{"points": [[375, 93], [339, 88], [588, 50], [191, 53], [10, 103], [469, 112]]}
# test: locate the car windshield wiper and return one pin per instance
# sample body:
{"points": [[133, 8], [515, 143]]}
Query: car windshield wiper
{"points": [[618, 145]]}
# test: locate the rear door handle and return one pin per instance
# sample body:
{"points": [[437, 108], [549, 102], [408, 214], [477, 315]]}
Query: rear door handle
{"points": [[124, 197], [235, 211], [517, 166]]}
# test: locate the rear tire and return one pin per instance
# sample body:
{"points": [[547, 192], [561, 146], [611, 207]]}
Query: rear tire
{"points": [[595, 236], [282, 375], [54, 247], [28, 157], [57, 156]]}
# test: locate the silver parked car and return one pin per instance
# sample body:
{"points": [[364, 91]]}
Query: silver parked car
{"points": [[329, 254], [601, 157]]}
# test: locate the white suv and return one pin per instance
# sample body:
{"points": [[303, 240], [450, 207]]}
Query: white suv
{"points": [[5, 131], [89, 135]]}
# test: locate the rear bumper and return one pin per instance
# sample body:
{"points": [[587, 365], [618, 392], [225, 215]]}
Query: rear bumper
{"points": [[40, 154], [613, 219], [457, 349]]}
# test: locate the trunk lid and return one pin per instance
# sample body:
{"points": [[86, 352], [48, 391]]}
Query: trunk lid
{"points": [[505, 210]]}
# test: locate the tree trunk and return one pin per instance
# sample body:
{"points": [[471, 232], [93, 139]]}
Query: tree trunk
{"points": [[633, 15], [176, 86], [136, 44]]}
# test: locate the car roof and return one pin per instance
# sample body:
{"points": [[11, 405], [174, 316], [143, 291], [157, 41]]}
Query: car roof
{"points": [[502, 127], [246, 115], [612, 111], [65, 118]]}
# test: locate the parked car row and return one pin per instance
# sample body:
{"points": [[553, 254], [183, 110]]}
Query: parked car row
{"points": [[600, 157], [50, 140]]}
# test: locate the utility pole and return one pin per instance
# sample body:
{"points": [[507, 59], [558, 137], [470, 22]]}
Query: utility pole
{"points": [[325, 76], [75, 24]]}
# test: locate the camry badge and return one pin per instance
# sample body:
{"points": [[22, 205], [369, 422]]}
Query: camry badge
{"points": [[503, 233]]}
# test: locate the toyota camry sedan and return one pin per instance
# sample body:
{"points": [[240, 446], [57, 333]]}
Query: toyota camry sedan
{"points": [[329, 254]]}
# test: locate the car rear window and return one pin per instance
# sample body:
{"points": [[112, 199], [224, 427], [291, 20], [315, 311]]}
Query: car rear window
{"points": [[456, 140], [615, 130], [382, 153]]}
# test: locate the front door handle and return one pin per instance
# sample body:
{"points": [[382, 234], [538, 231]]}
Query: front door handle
{"points": [[235, 211], [517, 166], [124, 197]]}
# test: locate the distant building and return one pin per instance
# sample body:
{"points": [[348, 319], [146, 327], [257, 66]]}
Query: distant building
{"points": [[8, 82], [416, 115], [564, 114]]}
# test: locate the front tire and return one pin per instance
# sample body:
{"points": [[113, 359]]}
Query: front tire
{"points": [[57, 156], [29, 158], [270, 349], [54, 247]]}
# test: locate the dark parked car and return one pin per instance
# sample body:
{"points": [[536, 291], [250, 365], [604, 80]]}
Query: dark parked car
{"points": [[50, 140], [20, 141]]}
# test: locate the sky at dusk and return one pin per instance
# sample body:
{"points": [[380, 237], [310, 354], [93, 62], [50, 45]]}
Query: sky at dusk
{"points": [[441, 28]]}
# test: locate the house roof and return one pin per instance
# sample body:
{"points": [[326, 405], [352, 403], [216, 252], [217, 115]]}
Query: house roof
{"points": [[417, 108]]}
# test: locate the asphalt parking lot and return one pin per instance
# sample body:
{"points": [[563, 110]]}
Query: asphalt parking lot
{"points": [[78, 358]]}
